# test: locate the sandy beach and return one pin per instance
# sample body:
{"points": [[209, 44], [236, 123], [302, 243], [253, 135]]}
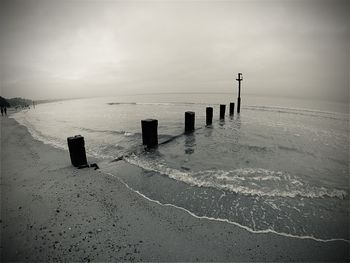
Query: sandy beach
{"points": [[51, 211]]}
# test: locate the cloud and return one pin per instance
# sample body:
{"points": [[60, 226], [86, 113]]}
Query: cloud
{"points": [[286, 48]]}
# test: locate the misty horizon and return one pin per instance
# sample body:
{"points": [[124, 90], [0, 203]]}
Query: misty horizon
{"points": [[78, 49], [232, 98]]}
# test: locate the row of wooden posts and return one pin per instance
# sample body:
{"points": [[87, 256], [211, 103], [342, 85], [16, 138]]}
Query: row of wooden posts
{"points": [[150, 126]]}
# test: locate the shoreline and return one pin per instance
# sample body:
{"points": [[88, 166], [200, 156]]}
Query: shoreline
{"points": [[267, 231], [52, 211]]}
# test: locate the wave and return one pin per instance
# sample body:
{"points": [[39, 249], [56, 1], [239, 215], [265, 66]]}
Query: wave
{"points": [[125, 133], [37, 135], [162, 138], [141, 103], [256, 148], [159, 103], [289, 110], [121, 103], [224, 220], [246, 181], [304, 112]]}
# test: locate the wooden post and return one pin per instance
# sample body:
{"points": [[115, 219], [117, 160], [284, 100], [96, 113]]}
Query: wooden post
{"points": [[239, 79], [209, 115], [76, 146], [222, 111], [149, 132], [189, 121], [232, 108]]}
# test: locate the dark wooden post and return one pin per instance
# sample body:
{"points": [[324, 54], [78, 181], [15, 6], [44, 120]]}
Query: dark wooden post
{"points": [[239, 79], [222, 111], [149, 132], [76, 146], [238, 105], [232, 108], [209, 115], [189, 121]]}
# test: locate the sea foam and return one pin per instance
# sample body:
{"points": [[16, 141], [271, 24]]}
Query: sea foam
{"points": [[247, 181]]}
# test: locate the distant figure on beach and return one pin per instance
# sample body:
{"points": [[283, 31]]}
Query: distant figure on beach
{"points": [[5, 110], [2, 111]]}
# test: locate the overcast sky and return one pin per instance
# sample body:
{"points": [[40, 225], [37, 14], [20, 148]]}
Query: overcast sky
{"points": [[61, 49]]}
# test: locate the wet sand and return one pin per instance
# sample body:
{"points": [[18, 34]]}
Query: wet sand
{"points": [[51, 211]]}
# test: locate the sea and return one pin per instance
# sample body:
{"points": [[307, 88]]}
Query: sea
{"points": [[280, 166]]}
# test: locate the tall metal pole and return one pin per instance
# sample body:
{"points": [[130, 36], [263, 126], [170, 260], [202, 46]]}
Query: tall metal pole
{"points": [[239, 79]]}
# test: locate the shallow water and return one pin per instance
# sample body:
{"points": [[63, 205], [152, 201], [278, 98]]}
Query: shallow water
{"points": [[272, 167]]}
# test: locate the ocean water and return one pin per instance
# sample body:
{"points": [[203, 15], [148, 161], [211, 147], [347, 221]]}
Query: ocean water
{"points": [[280, 166]]}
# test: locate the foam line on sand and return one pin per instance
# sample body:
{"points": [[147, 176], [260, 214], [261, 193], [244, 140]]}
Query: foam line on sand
{"points": [[266, 231]]}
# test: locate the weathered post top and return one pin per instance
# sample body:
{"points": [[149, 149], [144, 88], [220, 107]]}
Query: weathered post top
{"points": [[222, 111], [76, 146], [189, 121], [149, 132], [239, 79], [209, 115]]}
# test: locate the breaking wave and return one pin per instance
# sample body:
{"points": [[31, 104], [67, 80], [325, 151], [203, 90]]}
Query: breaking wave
{"points": [[246, 181], [125, 133]]}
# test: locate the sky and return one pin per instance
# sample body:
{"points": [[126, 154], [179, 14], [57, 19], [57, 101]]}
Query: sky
{"points": [[66, 49]]}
